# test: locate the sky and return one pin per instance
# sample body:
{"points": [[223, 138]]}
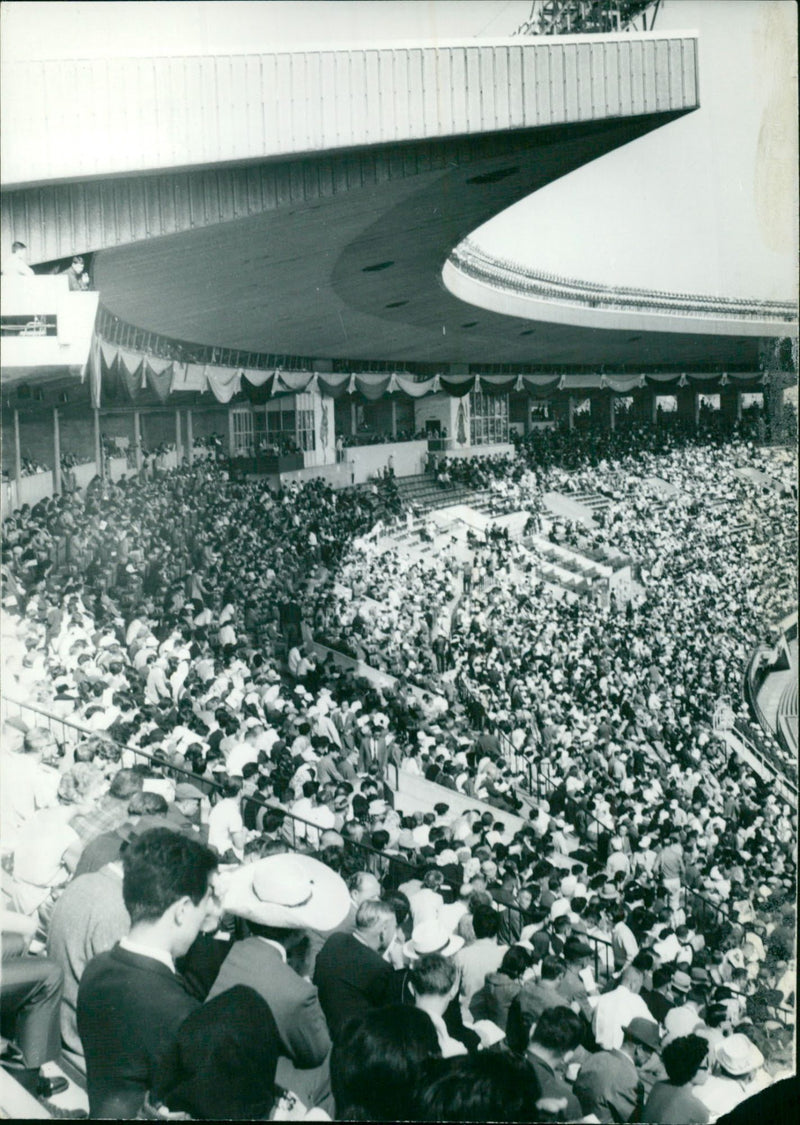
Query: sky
{"points": [[706, 204]]}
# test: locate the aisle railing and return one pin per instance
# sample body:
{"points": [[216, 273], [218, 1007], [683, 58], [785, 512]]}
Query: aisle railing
{"points": [[296, 831]]}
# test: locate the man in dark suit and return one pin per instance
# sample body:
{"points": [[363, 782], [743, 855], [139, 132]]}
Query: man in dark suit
{"points": [[131, 1001], [261, 962], [350, 973]]}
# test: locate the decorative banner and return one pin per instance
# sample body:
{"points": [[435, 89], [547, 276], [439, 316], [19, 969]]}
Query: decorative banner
{"points": [[189, 377], [461, 424], [92, 368], [159, 376], [255, 377], [113, 370], [224, 382]]}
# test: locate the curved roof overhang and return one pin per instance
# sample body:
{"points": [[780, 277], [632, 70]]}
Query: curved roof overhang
{"points": [[322, 228]]}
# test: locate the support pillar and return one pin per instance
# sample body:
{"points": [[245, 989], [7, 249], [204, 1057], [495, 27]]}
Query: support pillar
{"points": [[137, 440], [17, 455], [98, 449], [230, 433], [599, 411], [649, 407], [189, 438], [571, 411], [688, 404], [56, 454], [394, 417], [730, 404], [178, 442], [353, 417], [612, 413]]}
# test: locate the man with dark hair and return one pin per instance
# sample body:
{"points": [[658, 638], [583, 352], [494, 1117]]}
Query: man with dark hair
{"points": [[686, 1062], [659, 998], [16, 264], [534, 998], [554, 1040], [131, 1001]]}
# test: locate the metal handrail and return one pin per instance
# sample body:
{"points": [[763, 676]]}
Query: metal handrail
{"points": [[374, 853]]}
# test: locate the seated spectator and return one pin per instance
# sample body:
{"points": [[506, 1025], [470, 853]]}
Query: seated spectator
{"points": [[535, 997], [351, 974], [736, 1075], [482, 956], [608, 1083], [131, 1003], [674, 1102], [375, 1065], [480, 1088], [30, 992], [554, 1040], [492, 1002], [433, 982], [221, 1065], [616, 1009]]}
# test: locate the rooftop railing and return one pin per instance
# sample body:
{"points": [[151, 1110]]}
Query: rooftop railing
{"points": [[504, 274]]}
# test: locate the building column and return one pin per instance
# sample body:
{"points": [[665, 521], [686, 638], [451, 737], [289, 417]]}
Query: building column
{"points": [[17, 455], [730, 404], [394, 416], [612, 412], [230, 432], [688, 404], [98, 449], [137, 440], [178, 442], [649, 407], [56, 454], [353, 417], [571, 411], [189, 438]]}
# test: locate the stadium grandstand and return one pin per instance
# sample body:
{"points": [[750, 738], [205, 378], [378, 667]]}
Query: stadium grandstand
{"points": [[399, 620]]}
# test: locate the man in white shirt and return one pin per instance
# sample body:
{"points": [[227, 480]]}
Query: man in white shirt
{"points": [[312, 809], [16, 264], [615, 1010]]}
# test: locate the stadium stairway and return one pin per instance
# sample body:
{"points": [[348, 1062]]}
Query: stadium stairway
{"points": [[590, 500], [424, 493], [566, 566]]}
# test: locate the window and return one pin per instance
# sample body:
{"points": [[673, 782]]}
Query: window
{"points": [[488, 422], [305, 429], [291, 430], [242, 431]]}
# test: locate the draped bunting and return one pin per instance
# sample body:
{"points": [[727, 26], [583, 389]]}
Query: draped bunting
{"points": [[256, 378], [122, 373], [223, 382], [189, 377], [159, 376]]}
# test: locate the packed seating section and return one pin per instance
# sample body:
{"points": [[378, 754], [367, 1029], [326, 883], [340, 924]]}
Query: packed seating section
{"points": [[158, 640]]}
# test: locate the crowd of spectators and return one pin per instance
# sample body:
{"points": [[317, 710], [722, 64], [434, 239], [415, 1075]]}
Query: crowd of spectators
{"points": [[608, 931]]}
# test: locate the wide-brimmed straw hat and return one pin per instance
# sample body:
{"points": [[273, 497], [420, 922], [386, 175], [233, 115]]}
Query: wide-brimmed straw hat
{"points": [[293, 892], [431, 937], [738, 1055]]}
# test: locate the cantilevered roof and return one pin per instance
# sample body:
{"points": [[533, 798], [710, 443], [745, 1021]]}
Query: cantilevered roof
{"points": [[305, 203]]}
